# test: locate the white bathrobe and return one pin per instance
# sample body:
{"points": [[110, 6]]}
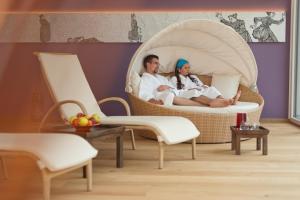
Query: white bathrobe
{"points": [[148, 88], [191, 89]]}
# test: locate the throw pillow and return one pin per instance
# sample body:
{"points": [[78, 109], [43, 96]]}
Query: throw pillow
{"points": [[226, 84], [135, 80]]}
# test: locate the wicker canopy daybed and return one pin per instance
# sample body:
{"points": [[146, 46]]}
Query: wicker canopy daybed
{"points": [[211, 48]]}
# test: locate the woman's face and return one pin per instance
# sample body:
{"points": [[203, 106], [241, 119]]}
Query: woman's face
{"points": [[185, 70]]}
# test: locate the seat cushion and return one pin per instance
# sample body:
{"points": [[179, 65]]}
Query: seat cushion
{"points": [[239, 107], [171, 130], [54, 151]]}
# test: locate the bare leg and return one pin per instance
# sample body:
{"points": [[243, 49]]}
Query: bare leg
{"points": [[202, 99], [232, 101], [215, 103], [185, 102], [237, 96]]}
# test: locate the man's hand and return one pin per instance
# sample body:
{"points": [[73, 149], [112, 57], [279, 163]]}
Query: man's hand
{"points": [[163, 88], [159, 102]]}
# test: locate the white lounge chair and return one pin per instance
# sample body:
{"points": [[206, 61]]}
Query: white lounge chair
{"points": [[67, 83], [55, 154]]}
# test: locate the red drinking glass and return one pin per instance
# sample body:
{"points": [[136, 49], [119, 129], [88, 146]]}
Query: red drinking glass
{"points": [[240, 118]]}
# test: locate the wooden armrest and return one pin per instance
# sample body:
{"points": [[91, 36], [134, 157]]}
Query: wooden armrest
{"points": [[118, 99], [57, 105]]}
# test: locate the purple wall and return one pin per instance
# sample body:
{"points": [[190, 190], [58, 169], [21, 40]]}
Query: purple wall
{"points": [[106, 64]]}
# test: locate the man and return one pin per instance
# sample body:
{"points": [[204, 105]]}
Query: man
{"points": [[156, 89]]}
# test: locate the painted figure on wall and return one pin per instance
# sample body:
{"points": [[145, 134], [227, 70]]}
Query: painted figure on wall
{"points": [[134, 35], [237, 24], [263, 32], [138, 27], [45, 31]]}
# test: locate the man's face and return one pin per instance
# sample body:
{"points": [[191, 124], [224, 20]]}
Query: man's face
{"points": [[153, 66]]}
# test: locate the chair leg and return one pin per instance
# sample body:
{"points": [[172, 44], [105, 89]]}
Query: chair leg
{"points": [[161, 155], [4, 169], [132, 139], [46, 184], [194, 149], [89, 174]]}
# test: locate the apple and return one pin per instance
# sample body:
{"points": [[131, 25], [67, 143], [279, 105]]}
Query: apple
{"points": [[90, 123], [80, 115], [75, 122], [83, 121], [96, 118], [92, 120], [71, 119]]}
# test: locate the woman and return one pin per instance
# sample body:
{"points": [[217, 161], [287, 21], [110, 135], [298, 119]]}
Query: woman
{"points": [[203, 94]]}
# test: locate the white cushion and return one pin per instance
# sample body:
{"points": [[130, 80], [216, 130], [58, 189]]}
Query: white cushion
{"points": [[172, 130], [66, 81], [226, 84], [135, 83], [54, 151], [233, 109]]}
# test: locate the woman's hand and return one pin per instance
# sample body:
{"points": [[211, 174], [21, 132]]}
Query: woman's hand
{"points": [[159, 102], [163, 88]]}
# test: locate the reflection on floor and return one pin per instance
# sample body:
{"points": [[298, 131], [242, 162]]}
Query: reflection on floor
{"points": [[216, 174]]}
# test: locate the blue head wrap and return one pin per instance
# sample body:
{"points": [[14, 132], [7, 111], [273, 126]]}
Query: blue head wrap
{"points": [[180, 63]]}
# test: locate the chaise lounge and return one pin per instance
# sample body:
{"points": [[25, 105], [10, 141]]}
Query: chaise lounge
{"points": [[55, 154], [72, 94]]}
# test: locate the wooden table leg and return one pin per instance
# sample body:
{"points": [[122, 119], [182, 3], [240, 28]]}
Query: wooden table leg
{"points": [[194, 143], [237, 145], [4, 169], [119, 151], [265, 145], [233, 138], [84, 172], [258, 143]]}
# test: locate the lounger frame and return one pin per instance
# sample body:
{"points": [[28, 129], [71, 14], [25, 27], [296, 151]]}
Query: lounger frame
{"points": [[47, 175]]}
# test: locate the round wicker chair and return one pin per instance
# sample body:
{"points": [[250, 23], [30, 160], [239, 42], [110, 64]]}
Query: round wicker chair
{"points": [[211, 48]]}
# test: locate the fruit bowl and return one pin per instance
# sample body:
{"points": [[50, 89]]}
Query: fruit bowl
{"points": [[83, 128], [83, 123]]}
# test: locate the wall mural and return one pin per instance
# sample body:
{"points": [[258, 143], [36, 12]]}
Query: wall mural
{"points": [[130, 26]]}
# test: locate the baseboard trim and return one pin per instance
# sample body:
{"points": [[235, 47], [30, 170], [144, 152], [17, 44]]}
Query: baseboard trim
{"points": [[274, 120]]}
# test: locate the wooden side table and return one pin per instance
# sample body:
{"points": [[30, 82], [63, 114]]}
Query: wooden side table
{"points": [[94, 132], [260, 133]]}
